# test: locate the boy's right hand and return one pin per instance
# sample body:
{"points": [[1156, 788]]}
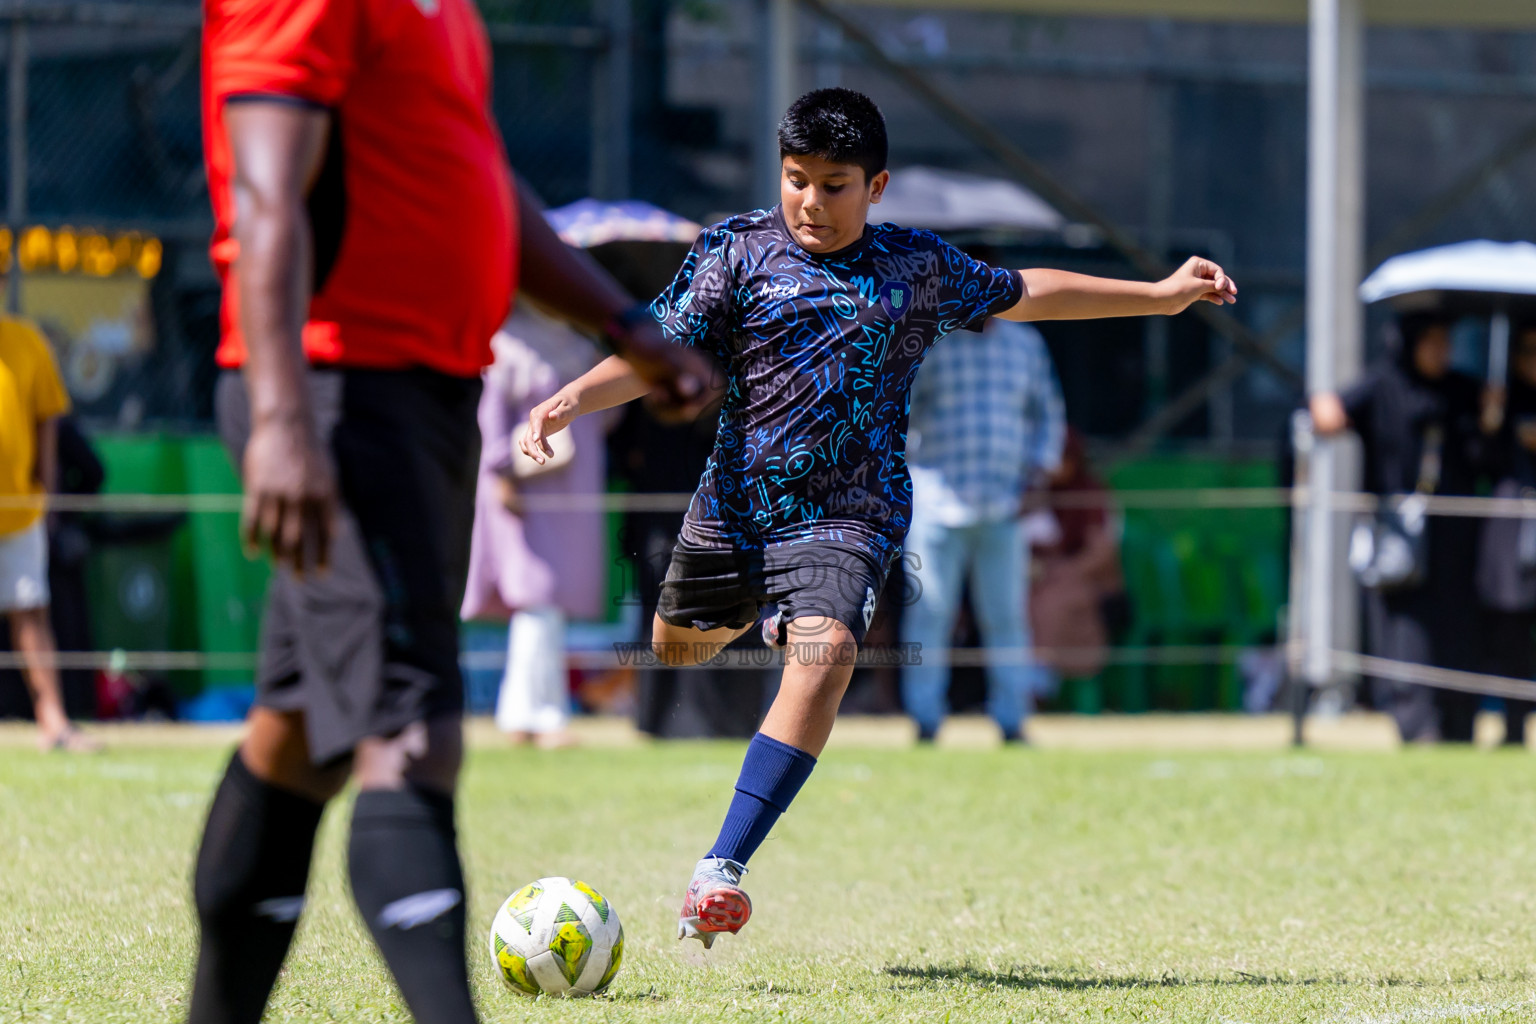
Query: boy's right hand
{"points": [[549, 417]]}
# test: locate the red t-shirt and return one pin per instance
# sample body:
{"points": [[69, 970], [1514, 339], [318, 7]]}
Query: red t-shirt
{"points": [[413, 212]]}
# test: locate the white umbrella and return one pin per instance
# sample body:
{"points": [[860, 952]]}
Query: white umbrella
{"points": [[927, 197], [1499, 268], [1482, 267]]}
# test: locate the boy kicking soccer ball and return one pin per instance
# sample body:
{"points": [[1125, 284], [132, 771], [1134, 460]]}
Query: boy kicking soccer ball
{"points": [[820, 322]]}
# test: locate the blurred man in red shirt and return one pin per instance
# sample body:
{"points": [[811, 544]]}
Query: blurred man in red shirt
{"points": [[371, 236]]}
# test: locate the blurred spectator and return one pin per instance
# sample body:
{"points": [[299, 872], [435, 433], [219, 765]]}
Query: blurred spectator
{"points": [[1418, 420], [32, 397], [536, 567], [69, 544], [1077, 602], [987, 423], [1506, 571], [70, 541]]}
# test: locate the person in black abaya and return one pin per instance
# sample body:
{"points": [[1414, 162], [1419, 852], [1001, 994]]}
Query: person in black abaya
{"points": [[1418, 421], [1507, 562]]}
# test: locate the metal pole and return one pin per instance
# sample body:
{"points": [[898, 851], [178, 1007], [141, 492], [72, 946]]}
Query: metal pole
{"points": [[16, 199], [1303, 445], [612, 122], [1322, 320], [1349, 339], [776, 56], [1335, 232]]}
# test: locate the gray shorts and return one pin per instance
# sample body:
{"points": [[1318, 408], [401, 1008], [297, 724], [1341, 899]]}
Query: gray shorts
{"points": [[24, 569], [373, 645]]}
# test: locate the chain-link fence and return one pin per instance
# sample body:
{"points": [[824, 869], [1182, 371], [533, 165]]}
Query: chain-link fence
{"points": [[1189, 136]]}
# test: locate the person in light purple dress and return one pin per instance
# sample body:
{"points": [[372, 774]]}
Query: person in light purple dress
{"points": [[538, 553]]}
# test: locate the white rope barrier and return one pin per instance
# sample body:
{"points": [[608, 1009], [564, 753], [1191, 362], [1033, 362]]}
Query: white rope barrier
{"points": [[1429, 675], [1207, 498], [639, 655]]}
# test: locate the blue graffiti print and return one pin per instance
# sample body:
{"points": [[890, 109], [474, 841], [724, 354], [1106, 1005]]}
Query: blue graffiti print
{"points": [[820, 352]]}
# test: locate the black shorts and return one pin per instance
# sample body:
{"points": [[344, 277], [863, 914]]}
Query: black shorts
{"points": [[373, 645], [710, 587]]}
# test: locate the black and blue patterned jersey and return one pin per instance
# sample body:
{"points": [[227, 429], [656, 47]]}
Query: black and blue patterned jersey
{"points": [[820, 352]]}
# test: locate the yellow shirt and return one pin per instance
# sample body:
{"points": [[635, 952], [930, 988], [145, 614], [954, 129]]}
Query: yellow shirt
{"points": [[31, 393]]}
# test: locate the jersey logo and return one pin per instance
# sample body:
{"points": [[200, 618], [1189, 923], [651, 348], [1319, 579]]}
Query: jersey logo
{"points": [[869, 606], [428, 7], [896, 298]]}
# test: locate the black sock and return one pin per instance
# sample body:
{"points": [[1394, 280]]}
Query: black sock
{"points": [[409, 886], [249, 890]]}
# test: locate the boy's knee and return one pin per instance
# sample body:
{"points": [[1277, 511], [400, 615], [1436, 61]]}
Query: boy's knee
{"points": [[673, 653]]}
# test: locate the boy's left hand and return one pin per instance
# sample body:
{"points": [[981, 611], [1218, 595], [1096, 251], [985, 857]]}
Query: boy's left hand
{"points": [[1198, 280]]}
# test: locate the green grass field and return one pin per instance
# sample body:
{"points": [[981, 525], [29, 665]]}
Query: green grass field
{"points": [[905, 885]]}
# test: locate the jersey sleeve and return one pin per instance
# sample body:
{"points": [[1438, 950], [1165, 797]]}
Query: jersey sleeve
{"points": [[304, 49], [49, 398], [698, 308], [970, 291]]}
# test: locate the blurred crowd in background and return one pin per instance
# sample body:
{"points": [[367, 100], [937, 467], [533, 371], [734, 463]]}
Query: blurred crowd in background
{"points": [[1188, 135], [1015, 556]]}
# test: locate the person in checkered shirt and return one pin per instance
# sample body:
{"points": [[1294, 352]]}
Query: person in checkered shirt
{"points": [[988, 423]]}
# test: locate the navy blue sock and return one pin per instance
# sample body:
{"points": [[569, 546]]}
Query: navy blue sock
{"points": [[771, 775]]}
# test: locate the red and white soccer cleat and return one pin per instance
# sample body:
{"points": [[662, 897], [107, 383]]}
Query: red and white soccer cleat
{"points": [[775, 631], [715, 902]]}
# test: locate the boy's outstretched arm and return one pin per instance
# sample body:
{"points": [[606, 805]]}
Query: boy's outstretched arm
{"points": [[571, 284], [1060, 295], [611, 382]]}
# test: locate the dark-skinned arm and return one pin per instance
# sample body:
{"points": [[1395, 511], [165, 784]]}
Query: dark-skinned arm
{"points": [[290, 488], [572, 285]]}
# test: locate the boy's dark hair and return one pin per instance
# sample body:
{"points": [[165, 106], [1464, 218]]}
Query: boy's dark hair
{"points": [[839, 125]]}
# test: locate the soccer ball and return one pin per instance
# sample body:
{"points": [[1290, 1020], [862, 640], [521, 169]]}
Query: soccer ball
{"points": [[557, 937]]}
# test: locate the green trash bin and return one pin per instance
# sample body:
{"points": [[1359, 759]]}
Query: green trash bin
{"points": [[131, 592], [136, 578]]}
